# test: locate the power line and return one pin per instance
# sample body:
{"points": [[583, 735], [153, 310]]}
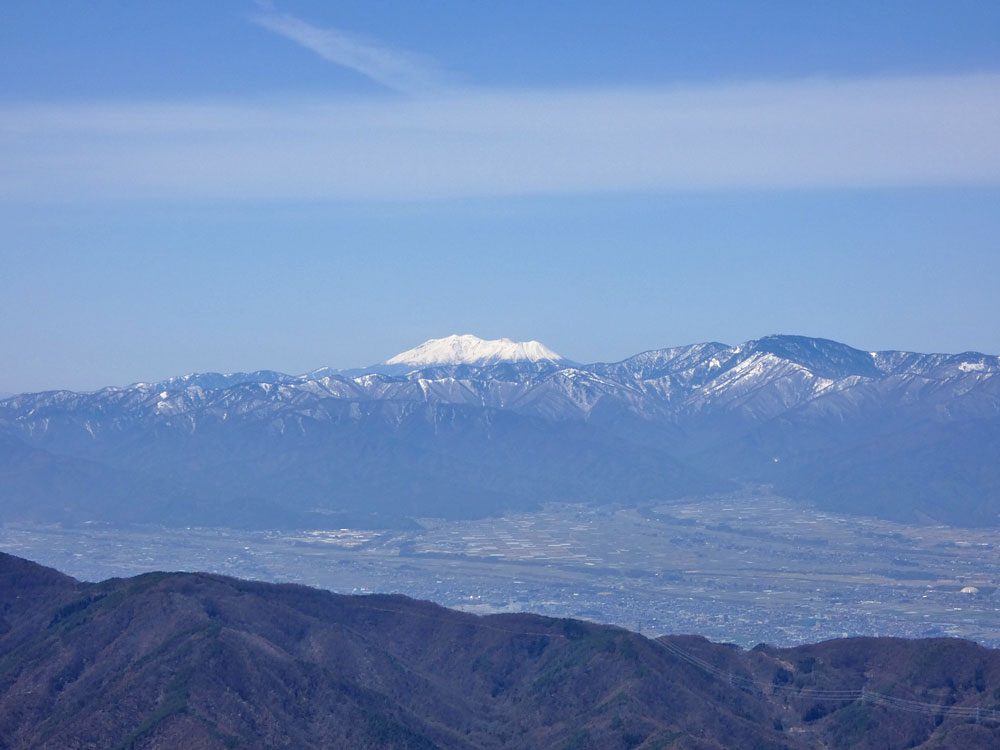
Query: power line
{"points": [[863, 694]]}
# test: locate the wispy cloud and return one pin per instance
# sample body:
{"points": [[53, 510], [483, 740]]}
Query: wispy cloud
{"points": [[400, 71], [880, 132]]}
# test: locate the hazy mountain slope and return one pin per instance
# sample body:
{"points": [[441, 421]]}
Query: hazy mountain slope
{"points": [[203, 661], [466, 432], [946, 473], [364, 463], [38, 485]]}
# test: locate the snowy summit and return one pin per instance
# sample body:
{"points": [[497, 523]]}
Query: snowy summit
{"points": [[469, 350]]}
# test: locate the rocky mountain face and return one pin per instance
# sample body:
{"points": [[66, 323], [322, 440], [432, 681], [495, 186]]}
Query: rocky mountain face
{"points": [[479, 427], [204, 662]]}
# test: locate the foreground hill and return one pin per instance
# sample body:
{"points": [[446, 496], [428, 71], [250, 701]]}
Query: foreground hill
{"points": [[462, 427], [203, 661]]}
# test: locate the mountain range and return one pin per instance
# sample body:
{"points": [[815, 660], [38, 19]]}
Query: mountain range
{"points": [[208, 662], [462, 427]]}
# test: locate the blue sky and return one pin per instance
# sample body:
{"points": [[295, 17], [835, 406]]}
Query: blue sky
{"points": [[192, 186]]}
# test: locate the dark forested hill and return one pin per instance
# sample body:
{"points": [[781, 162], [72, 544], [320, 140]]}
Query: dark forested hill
{"points": [[203, 661]]}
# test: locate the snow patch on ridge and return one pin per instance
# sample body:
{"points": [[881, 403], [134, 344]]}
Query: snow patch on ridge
{"points": [[468, 350]]}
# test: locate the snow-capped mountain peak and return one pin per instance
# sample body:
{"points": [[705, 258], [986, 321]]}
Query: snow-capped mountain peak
{"points": [[468, 349]]}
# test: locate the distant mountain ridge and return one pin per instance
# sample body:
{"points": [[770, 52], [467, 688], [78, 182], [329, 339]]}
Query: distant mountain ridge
{"points": [[210, 662], [487, 426]]}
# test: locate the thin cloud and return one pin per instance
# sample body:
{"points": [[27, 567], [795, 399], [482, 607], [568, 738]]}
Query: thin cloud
{"points": [[869, 133], [400, 71]]}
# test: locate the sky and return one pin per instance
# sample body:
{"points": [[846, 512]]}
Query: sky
{"points": [[239, 185]]}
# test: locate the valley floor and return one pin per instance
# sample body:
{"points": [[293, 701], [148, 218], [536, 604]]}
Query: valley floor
{"points": [[744, 568]]}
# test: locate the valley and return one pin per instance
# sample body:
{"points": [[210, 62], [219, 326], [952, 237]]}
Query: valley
{"points": [[744, 567]]}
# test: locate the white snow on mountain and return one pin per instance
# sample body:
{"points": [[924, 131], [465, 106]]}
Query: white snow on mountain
{"points": [[758, 380], [472, 350]]}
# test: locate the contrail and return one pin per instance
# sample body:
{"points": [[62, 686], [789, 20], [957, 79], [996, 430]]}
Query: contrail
{"points": [[394, 69]]}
